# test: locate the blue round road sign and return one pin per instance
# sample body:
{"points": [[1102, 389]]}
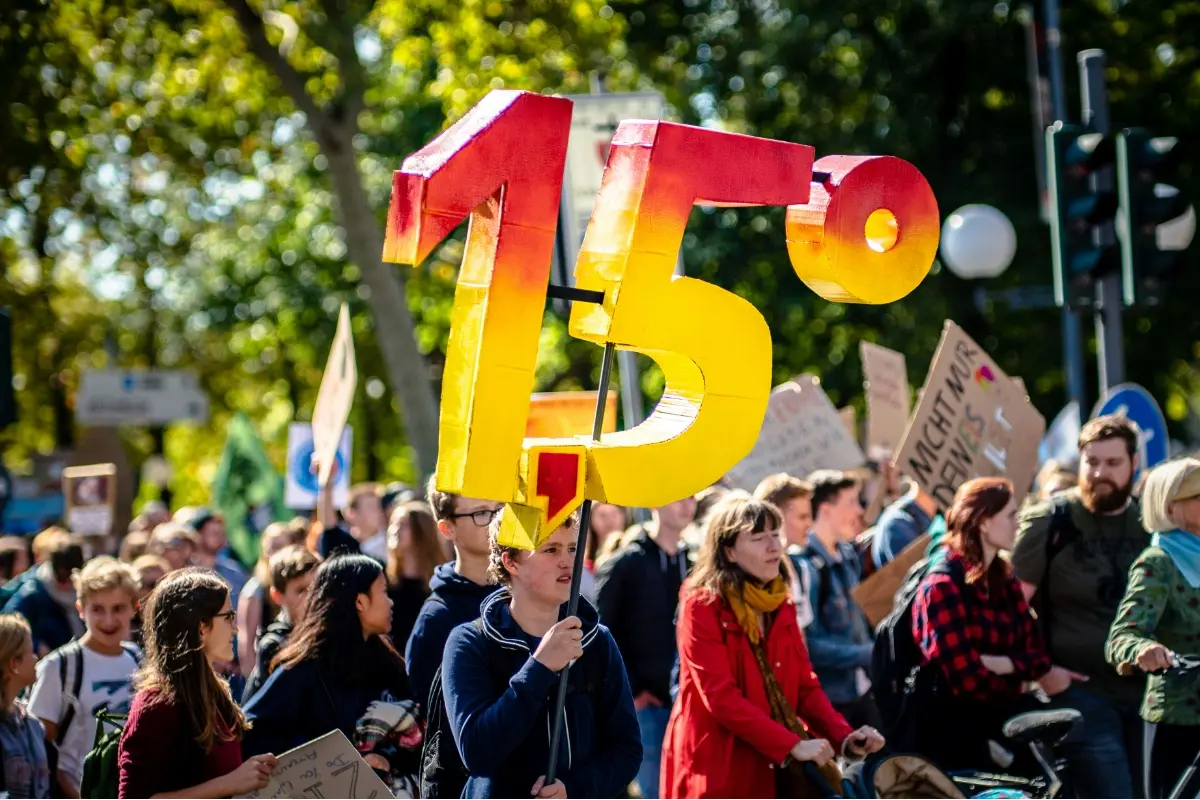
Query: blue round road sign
{"points": [[1139, 407], [301, 467]]}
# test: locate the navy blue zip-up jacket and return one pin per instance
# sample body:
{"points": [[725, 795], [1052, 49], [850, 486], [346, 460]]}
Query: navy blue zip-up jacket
{"points": [[452, 601], [503, 733]]}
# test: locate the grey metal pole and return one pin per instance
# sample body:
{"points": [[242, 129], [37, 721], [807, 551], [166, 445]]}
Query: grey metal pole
{"points": [[1072, 332], [1110, 341]]}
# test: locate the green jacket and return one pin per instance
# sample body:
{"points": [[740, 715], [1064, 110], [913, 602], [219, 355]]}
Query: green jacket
{"points": [[1159, 606]]}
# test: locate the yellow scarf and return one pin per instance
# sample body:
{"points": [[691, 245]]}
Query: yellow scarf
{"points": [[753, 601]]}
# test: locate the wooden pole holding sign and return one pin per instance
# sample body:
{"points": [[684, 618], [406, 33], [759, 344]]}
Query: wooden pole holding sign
{"points": [[334, 401]]}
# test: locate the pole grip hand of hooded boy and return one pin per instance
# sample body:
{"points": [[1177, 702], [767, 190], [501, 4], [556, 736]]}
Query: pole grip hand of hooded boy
{"points": [[561, 645]]}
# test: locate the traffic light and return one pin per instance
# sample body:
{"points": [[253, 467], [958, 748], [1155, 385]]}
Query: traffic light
{"points": [[1077, 206], [1144, 173]]}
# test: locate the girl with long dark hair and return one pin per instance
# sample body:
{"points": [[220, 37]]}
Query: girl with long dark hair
{"points": [[184, 733], [979, 641], [414, 552], [339, 669]]}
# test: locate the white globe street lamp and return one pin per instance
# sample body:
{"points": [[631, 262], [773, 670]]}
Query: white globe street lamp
{"points": [[978, 241]]}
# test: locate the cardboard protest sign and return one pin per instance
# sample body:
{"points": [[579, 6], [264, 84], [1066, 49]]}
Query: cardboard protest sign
{"points": [[877, 594], [335, 397], [563, 414], [972, 421], [850, 420], [90, 493], [802, 432], [886, 384], [328, 766]]}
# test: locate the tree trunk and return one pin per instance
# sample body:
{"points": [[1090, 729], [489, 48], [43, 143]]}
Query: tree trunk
{"points": [[395, 331]]}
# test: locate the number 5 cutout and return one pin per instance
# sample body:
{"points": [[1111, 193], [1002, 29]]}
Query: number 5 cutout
{"points": [[714, 347]]}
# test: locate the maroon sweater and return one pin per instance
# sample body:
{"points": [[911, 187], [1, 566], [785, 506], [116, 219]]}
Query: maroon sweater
{"points": [[158, 755]]}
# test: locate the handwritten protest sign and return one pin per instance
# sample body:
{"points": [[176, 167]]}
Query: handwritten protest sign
{"points": [[801, 432], [850, 420], [972, 421], [328, 766], [888, 403]]}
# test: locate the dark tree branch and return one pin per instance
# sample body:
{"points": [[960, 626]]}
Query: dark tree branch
{"points": [[291, 78]]}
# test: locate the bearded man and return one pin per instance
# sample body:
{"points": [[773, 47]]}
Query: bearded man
{"points": [[1072, 556]]}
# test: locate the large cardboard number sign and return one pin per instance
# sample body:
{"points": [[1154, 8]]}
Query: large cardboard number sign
{"points": [[860, 229]]}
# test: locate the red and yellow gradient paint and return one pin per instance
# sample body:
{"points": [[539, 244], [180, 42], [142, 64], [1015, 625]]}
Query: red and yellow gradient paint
{"points": [[868, 234], [714, 347], [865, 231], [502, 164]]}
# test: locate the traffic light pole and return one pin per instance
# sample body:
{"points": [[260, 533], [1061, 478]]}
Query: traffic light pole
{"points": [[1072, 334], [1110, 342]]}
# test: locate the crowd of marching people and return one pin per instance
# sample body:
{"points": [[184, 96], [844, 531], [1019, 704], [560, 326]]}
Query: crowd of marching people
{"points": [[718, 649]]}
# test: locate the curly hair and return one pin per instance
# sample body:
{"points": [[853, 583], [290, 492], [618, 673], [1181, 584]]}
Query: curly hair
{"points": [[496, 571]]}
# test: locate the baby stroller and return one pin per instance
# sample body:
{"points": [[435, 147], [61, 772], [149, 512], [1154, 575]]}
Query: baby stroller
{"points": [[886, 775]]}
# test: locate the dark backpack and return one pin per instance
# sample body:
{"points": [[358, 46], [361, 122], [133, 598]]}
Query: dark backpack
{"points": [[866, 561], [443, 774], [1061, 535], [101, 772], [896, 657]]}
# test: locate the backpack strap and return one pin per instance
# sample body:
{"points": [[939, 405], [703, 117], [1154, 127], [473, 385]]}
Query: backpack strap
{"points": [[1061, 534], [134, 652], [70, 672]]}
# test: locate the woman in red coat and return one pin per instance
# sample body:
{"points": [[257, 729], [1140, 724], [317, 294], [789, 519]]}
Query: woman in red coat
{"points": [[750, 707]]}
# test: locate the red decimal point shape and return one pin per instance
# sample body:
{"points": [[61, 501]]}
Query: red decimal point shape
{"points": [[550, 488], [869, 232], [502, 164], [714, 347]]}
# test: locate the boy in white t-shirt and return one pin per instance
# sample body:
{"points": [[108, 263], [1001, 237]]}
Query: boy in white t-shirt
{"points": [[91, 674]]}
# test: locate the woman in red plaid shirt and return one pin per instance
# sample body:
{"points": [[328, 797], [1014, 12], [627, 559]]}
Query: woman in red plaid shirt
{"points": [[980, 643]]}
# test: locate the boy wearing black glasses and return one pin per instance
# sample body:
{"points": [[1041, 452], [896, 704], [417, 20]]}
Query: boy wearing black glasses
{"points": [[457, 588]]}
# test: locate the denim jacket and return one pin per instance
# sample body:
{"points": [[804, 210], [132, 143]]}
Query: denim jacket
{"points": [[839, 638]]}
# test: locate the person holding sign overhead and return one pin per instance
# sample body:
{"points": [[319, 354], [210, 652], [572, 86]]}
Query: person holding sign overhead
{"points": [[184, 734]]}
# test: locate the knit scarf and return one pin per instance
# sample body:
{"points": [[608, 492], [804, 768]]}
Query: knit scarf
{"points": [[752, 601]]}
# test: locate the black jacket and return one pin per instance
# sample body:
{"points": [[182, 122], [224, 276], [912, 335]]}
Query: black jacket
{"points": [[269, 645], [637, 592]]}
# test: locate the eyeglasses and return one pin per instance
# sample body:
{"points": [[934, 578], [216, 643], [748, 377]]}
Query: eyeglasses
{"points": [[229, 616], [483, 517]]}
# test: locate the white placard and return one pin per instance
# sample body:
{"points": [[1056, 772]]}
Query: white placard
{"points": [[328, 766], [801, 433]]}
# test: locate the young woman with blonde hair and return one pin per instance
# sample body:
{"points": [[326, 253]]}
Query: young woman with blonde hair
{"points": [[25, 767]]}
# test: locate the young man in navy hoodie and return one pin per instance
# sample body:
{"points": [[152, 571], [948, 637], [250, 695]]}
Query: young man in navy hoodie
{"points": [[457, 588], [501, 684]]}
